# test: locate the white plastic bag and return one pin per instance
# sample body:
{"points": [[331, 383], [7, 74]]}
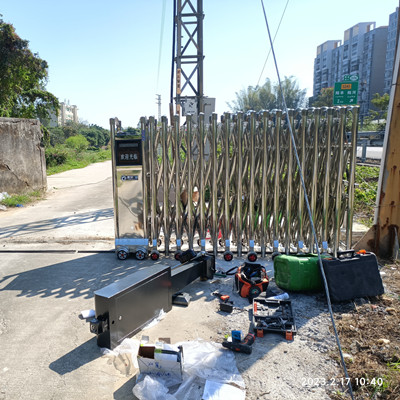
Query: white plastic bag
{"points": [[124, 356], [209, 360], [151, 389]]}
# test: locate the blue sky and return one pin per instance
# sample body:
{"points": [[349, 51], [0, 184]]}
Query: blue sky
{"points": [[103, 56]]}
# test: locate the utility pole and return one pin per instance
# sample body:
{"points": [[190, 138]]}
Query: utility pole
{"points": [[159, 106], [189, 56]]}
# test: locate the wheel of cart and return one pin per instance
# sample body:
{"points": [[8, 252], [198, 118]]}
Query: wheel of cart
{"points": [[252, 256], [122, 253], [154, 255], [228, 256], [140, 254]]}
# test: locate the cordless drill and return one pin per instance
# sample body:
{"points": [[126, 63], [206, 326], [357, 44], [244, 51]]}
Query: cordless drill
{"points": [[241, 347]]}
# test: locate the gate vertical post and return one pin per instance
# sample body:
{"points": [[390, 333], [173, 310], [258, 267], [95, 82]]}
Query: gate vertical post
{"points": [[327, 183], [227, 124], [314, 183], [278, 117], [145, 169], [214, 192], [264, 188], [202, 189], [353, 159], [300, 242], [338, 202], [153, 178], [189, 188], [252, 173], [178, 190], [289, 171], [165, 161], [239, 216]]}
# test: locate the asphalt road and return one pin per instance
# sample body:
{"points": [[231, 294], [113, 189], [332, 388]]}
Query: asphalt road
{"points": [[47, 351], [77, 213]]}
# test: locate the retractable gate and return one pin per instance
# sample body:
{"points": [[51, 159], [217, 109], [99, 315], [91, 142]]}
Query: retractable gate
{"points": [[235, 184]]}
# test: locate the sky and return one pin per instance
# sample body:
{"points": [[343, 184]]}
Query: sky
{"points": [[105, 57]]}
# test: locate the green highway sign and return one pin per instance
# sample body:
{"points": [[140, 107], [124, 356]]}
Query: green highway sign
{"points": [[346, 92]]}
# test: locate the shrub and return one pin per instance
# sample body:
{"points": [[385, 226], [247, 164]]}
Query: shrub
{"points": [[78, 143], [55, 156]]}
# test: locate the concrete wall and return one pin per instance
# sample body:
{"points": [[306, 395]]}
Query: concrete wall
{"points": [[22, 159]]}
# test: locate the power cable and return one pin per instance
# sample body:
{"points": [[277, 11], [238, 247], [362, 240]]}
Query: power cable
{"points": [[308, 209], [276, 33], [161, 41], [173, 54]]}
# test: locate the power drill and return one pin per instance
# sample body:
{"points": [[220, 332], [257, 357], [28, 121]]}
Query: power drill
{"points": [[241, 347]]}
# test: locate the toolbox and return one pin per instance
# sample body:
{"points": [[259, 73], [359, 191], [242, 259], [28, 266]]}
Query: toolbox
{"points": [[275, 316], [298, 272], [353, 275]]}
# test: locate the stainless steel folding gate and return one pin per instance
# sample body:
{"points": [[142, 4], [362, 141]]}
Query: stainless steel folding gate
{"points": [[234, 185]]}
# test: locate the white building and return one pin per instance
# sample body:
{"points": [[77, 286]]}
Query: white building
{"points": [[67, 113]]}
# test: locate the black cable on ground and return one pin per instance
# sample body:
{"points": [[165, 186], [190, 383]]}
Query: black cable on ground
{"points": [[308, 210]]}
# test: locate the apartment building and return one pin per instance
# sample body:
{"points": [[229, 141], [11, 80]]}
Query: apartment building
{"points": [[66, 113], [391, 49], [366, 51]]}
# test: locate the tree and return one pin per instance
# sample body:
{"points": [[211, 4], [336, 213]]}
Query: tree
{"points": [[23, 78], [78, 143], [269, 96], [381, 103], [324, 99], [95, 135]]}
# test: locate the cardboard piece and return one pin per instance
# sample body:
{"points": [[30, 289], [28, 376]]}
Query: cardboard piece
{"points": [[163, 368]]}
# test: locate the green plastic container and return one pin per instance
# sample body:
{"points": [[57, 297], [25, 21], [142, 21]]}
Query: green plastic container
{"points": [[298, 273]]}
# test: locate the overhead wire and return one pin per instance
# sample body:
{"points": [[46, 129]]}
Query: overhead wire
{"points": [[161, 42], [273, 41], [308, 207], [171, 99]]}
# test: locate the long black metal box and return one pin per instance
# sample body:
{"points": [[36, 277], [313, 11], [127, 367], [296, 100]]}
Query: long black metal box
{"points": [[352, 277], [124, 307]]}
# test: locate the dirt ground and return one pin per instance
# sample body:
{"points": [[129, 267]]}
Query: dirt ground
{"points": [[369, 332]]}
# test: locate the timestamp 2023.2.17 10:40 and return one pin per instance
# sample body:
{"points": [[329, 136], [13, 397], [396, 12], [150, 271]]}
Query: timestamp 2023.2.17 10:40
{"points": [[342, 381]]}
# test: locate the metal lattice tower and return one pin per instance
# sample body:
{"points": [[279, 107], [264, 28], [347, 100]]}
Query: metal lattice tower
{"points": [[189, 56]]}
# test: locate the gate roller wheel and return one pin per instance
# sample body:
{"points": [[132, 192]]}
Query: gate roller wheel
{"points": [[177, 255], [140, 254], [252, 256], [122, 253], [228, 256], [154, 255]]}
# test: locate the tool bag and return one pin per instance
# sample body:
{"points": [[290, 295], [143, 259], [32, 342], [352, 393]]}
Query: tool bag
{"points": [[352, 275], [250, 280]]}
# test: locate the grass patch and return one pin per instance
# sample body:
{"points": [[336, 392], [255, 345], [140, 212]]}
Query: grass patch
{"points": [[365, 194], [18, 200], [74, 160]]}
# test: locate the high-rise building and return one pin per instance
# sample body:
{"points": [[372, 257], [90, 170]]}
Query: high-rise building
{"points": [[390, 49], [325, 65], [366, 51], [372, 68]]}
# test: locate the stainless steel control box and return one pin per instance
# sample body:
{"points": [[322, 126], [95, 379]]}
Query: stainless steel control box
{"points": [[127, 165]]}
